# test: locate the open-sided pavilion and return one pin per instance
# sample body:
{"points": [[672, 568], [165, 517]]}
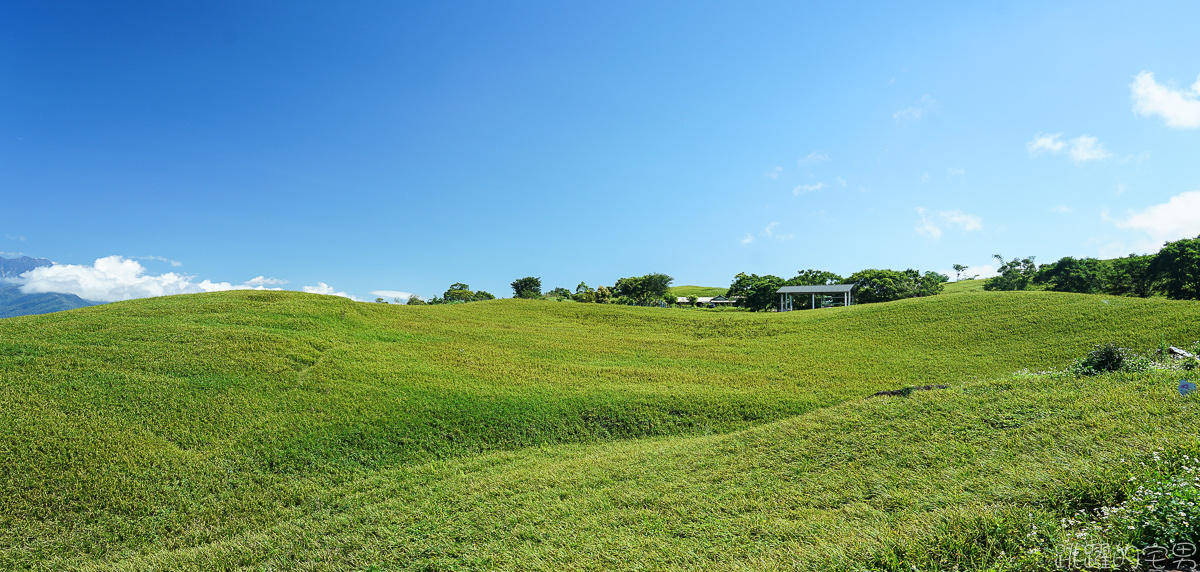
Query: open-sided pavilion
{"points": [[840, 293]]}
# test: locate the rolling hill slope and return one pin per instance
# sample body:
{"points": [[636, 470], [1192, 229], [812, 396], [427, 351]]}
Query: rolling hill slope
{"points": [[242, 430]]}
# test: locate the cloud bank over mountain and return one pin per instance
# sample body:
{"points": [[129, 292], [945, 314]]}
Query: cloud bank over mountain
{"points": [[116, 278]]}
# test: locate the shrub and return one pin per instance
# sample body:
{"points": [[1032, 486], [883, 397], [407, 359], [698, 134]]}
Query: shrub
{"points": [[1104, 357]]}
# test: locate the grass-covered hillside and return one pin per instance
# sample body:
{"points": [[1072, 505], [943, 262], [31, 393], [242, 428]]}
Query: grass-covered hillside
{"points": [[276, 430], [697, 291]]}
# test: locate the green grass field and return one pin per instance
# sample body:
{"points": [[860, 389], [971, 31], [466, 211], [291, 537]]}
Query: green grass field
{"points": [[279, 430], [697, 291], [963, 286]]}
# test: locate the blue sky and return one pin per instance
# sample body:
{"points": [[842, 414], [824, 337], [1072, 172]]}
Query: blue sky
{"points": [[368, 147]]}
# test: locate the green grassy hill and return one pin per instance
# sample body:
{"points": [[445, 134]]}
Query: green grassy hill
{"points": [[963, 286], [697, 291], [255, 430]]}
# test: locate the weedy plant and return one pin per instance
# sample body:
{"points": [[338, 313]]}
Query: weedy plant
{"points": [[1161, 512]]}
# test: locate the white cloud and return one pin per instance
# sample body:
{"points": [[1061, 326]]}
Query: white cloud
{"points": [[160, 259], [967, 222], [925, 178], [802, 189], [914, 112], [1082, 149], [263, 281], [813, 158], [774, 172], [323, 288], [931, 224], [927, 227], [115, 278], [1086, 148], [1137, 159], [979, 272], [769, 232], [841, 182], [1180, 108], [17, 238], [392, 294], [1177, 218], [956, 172], [1045, 143], [1064, 209]]}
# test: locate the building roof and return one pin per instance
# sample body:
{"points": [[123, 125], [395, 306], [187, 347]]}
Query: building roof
{"points": [[828, 289]]}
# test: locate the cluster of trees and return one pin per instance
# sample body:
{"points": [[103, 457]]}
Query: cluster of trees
{"points": [[585, 293], [759, 292], [457, 293], [1173, 272], [887, 285], [643, 290], [638, 290]]}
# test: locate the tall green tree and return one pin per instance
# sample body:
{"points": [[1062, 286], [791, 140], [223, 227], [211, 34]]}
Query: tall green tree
{"points": [[527, 287], [584, 293], [1081, 275], [1177, 268], [759, 293], [812, 277], [1130, 276], [603, 295], [458, 292], [1015, 274], [958, 271], [874, 285], [643, 289]]}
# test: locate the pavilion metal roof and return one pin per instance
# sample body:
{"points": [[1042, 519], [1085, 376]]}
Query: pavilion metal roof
{"points": [[828, 289]]}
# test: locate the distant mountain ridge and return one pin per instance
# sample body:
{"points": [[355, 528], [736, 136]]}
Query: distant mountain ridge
{"points": [[11, 268], [13, 302]]}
